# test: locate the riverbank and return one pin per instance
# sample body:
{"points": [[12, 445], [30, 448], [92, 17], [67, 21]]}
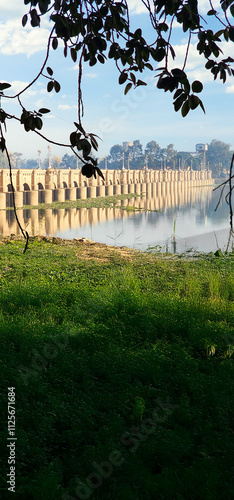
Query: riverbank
{"points": [[122, 364]]}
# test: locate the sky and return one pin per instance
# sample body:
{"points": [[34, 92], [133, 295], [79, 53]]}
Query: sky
{"points": [[146, 113]]}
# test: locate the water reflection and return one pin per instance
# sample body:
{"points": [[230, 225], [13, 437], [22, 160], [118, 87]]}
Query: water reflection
{"points": [[186, 220]]}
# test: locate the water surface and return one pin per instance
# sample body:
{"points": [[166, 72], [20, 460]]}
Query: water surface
{"points": [[178, 221]]}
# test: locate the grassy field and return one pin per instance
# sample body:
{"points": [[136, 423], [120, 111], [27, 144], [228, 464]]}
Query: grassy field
{"points": [[122, 364]]}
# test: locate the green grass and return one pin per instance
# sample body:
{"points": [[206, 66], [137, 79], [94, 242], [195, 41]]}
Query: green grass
{"points": [[118, 358], [99, 202]]}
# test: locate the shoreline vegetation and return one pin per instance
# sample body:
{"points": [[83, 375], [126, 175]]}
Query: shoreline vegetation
{"points": [[99, 202], [122, 364]]}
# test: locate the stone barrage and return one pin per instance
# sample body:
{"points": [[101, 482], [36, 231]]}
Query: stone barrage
{"points": [[36, 186]]}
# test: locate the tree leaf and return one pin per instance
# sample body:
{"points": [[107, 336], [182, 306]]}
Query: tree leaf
{"points": [[123, 77], [231, 33], [127, 88], [177, 93], [2, 144], [185, 108], [194, 101], [140, 82], [202, 107], [50, 86], [100, 173], [4, 86], [197, 86], [44, 110], [38, 123], [24, 20], [73, 139], [179, 101], [49, 71], [57, 86], [55, 43], [211, 12], [73, 54]]}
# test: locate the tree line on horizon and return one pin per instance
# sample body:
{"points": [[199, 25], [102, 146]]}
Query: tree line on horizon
{"points": [[217, 158]]}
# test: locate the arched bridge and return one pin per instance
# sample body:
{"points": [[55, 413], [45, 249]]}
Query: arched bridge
{"points": [[45, 186]]}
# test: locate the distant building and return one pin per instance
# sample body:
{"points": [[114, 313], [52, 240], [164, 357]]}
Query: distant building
{"points": [[201, 148], [126, 145]]}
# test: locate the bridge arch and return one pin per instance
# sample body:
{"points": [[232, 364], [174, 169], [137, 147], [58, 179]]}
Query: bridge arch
{"points": [[75, 184], [64, 184], [9, 200], [41, 193], [26, 194]]}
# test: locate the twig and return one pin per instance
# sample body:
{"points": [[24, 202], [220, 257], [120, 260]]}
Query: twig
{"points": [[24, 233]]}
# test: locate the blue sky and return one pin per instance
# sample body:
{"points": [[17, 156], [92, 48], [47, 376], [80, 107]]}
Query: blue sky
{"points": [[145, 113]]}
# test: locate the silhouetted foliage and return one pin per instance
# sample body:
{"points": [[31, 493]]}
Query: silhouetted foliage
{"points": [[93, 31]]}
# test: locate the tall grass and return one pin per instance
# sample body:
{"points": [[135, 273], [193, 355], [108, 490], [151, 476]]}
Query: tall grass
{"points": [[120, 360]]}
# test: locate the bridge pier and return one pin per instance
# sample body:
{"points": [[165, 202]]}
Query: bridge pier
{"points": [[48, 196], [34, 198], [91, 192], [101, 190], [148, 189], [124, 188], [61, 195], [82, 193], [137, 188], [72, 193], [2, 200], [117, 189], [109, 190], [19, 198]]}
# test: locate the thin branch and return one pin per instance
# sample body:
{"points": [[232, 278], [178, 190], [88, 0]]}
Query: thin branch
{"points": [[217, 17], [40, 72], [80, 100], [228, 197], [187, 50], [24, 232]]}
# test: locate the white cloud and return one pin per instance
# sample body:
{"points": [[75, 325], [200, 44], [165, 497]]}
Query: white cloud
{"points": [[14, 39], [90, 75], [66, 106], [12, 8], [195, 66], [204, 6], [137, 6], [17, 86], [230, 89]]}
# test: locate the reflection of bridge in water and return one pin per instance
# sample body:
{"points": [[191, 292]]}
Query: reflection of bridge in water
{"points": [[51, 221], [45, 186]]}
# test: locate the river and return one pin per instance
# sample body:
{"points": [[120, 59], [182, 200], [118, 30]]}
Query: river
{"points": [[186, 221]]}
